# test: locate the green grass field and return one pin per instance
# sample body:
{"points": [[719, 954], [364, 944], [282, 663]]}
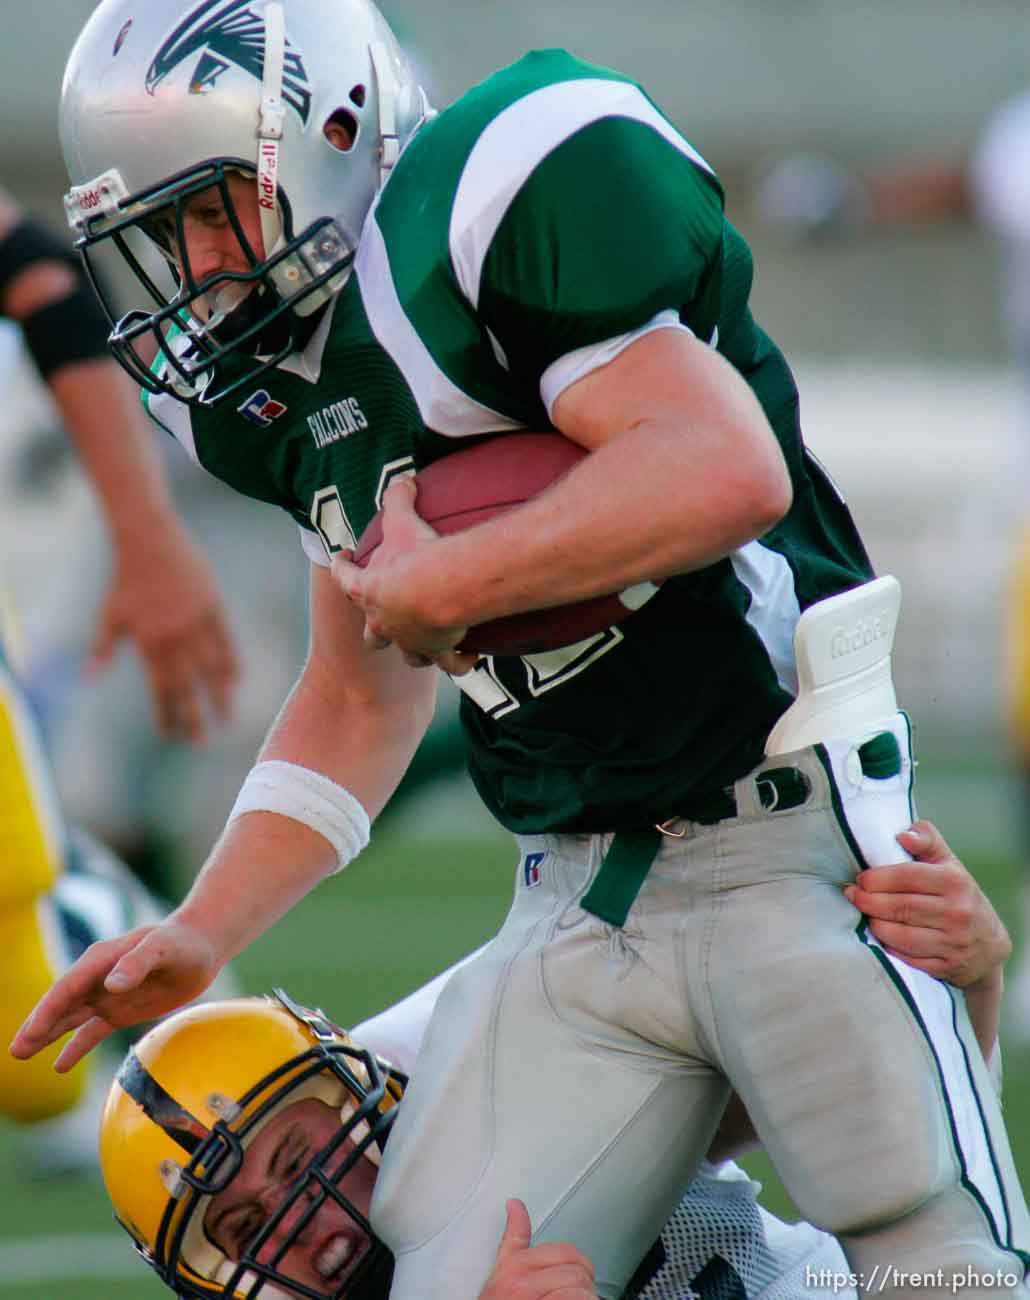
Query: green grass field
{"points": [[432, 886]]}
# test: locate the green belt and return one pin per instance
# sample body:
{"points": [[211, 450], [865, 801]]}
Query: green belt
{"points": [[630, 854]]}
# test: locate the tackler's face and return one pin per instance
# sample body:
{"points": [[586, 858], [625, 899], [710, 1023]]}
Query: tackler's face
{"points": [[315, 1241], [240, 1144]]}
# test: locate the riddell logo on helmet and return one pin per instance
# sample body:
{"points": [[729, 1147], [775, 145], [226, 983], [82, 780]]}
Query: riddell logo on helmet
{"points": [[268, 159]]}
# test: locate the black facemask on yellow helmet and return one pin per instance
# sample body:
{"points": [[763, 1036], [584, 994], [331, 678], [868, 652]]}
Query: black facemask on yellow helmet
{"points": [[189, 1102]]}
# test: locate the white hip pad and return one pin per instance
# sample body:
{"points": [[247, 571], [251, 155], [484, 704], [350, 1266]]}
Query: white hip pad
{"points": [[843, 650]]}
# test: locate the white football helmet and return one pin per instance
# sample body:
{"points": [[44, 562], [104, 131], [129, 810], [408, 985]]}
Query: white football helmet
{"points": [[163, 101]]}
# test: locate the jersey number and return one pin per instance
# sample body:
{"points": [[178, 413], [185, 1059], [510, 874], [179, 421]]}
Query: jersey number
{"points": [[329, 517], [541, 673]]}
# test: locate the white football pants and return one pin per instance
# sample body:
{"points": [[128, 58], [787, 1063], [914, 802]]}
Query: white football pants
{"points": [[583, 1067]]}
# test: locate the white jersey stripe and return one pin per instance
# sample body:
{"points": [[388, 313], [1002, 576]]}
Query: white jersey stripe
{"points": [[576, 365], [174, 417], [522, 136], [442, 405], [774, 610]]}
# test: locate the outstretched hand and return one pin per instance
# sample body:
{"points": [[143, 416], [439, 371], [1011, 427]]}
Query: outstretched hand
{"points": [[549, 1271], [135, 978]]}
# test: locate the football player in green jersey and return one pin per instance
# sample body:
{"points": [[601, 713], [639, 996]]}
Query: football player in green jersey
{"points": [[341, 285]]}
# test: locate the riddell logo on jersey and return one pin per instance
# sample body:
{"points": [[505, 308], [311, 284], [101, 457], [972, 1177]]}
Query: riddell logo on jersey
{"points": [[846, 641]]}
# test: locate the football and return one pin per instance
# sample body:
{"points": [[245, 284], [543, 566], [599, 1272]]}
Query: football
{"points": [[476, 483]]}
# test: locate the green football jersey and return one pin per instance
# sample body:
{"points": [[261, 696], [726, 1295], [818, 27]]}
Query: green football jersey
{"points": [[547, 213], [320, 436]]}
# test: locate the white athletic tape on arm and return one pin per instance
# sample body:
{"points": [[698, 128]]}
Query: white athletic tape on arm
{"points": [[308, 797]]}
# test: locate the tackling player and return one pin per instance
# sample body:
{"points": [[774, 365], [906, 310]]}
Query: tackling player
{"points": [[264, 1123], [549, 251], [162, 593]]}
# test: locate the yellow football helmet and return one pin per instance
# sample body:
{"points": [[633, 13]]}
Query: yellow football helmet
{"points": [[190, 1099]]}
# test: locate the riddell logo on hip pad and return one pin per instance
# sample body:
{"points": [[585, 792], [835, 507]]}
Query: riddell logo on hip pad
{"points": [[847, 641]]}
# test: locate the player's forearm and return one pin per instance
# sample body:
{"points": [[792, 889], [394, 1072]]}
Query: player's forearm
{"points": [[684, 469], [357, 729], [102, 414], [260, 868], [360, 731], [983, 1002], [637, 509], [98, 403]]}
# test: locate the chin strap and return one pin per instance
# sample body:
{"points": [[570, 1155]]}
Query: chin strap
{"points": [[270, 126]]}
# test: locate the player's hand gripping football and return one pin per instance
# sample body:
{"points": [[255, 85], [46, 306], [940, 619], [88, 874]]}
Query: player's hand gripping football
{"points": [[549, 1271], [137, 977], [389, 591]]}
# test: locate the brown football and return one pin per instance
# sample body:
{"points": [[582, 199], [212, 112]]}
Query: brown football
{"points": [[472, 485]]}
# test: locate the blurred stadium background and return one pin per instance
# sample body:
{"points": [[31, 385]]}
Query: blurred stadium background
{"points": [[908, 395]]}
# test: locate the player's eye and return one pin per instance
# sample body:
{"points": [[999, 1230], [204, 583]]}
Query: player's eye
{"points": [[161, 228], [244, 1230]]}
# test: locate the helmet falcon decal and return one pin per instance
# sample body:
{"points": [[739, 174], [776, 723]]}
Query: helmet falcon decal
{"points": [[233, 35], [122, 37]]}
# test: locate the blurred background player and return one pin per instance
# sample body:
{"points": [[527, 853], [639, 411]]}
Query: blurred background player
{"points": [[158, 803], [162, 593], [242, 1139], [61, 890], [815, 197]]}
